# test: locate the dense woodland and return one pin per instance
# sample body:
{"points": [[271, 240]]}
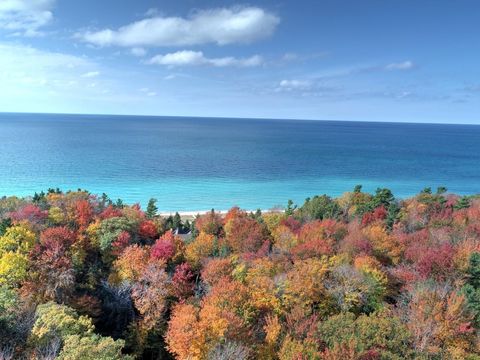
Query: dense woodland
{"points": [[363, 276]]}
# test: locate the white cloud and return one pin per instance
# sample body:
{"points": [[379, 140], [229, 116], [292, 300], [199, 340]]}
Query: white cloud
{"points": [[23, 58], [148, 92], [289, 57], [24, 68], [152, 12], [91, 74], [220, 26], [196, 58], [25, 17], [294, 85], [138, 51], [406, 65]]}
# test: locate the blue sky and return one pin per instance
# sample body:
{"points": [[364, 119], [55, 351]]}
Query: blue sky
{"points": [[410, 60]]}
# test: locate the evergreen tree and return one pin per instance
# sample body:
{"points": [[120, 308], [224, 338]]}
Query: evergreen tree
{"points": [[392, 215], [290, 208], [151, 208], [441, 190], [462, 203], [472, 287], [119, 204], [4, 225], [177, 222]]}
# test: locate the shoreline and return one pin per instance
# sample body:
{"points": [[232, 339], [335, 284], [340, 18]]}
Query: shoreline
{"points": [[203, 212]]}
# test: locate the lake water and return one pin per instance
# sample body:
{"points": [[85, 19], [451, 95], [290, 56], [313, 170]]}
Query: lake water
{"points": [[203, 163]]}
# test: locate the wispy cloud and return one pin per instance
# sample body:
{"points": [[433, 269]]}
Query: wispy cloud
{"points": [[152, 12], [405, 65], [25, 17], [138, 51], [219, 26], [292, 57], [291, 85], [197, 58], [91, 74], [307, 87], [23, 69], [148, 92], [472, 88]]}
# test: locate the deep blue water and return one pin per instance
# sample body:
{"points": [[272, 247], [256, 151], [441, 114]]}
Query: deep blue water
{"points": [[200, 163]]}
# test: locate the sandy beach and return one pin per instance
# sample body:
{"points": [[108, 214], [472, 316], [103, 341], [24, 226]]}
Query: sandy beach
{"points": [[190, 215]]}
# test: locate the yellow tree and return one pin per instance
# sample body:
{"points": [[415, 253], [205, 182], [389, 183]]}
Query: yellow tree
{"points": [[305, 286]]}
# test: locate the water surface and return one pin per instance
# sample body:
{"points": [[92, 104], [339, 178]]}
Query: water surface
{"points": [[200, 163]]}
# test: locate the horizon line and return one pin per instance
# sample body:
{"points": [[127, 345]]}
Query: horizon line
{"points": [[240, 118]]}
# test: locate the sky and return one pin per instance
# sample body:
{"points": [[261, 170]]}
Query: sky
{"points": [[370, 60]]}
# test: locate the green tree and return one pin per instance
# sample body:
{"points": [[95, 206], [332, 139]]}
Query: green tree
{"points": [[290, 208], [54, 322], [151, 208], [111, 228], [174, 222], [105, 201], [462, 203], [380, 331], [177, 221], [383, 197], [472, 287], [441, 190], [8, 302], [4, 225], [319, 208], [392, 215], [92, 347], [58, 321]]}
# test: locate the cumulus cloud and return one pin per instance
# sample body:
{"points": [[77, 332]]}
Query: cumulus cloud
{"points": [[25, 17], [219, 26], [197, 58], [91, 74], [406, 65]]}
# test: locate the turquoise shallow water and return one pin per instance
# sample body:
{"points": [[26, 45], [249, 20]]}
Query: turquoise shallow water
{"points": [[200, 163]]}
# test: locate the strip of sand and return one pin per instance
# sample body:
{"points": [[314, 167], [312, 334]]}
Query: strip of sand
{"points": [[192, 214]]}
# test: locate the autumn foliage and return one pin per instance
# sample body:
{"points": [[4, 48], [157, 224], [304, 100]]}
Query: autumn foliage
{"points": [[364, 276]]}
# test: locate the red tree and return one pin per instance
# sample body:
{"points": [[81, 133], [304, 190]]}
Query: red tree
{"points": [[83, 213], [123, 240], [110, 212], [164, 248], [148, 230], [31, 213], [182, 281]]}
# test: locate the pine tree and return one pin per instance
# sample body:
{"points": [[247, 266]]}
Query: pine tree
{"points": [[151, 208]]}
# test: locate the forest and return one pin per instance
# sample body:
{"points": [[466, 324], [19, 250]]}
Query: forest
{"points": [[363, 276]]}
